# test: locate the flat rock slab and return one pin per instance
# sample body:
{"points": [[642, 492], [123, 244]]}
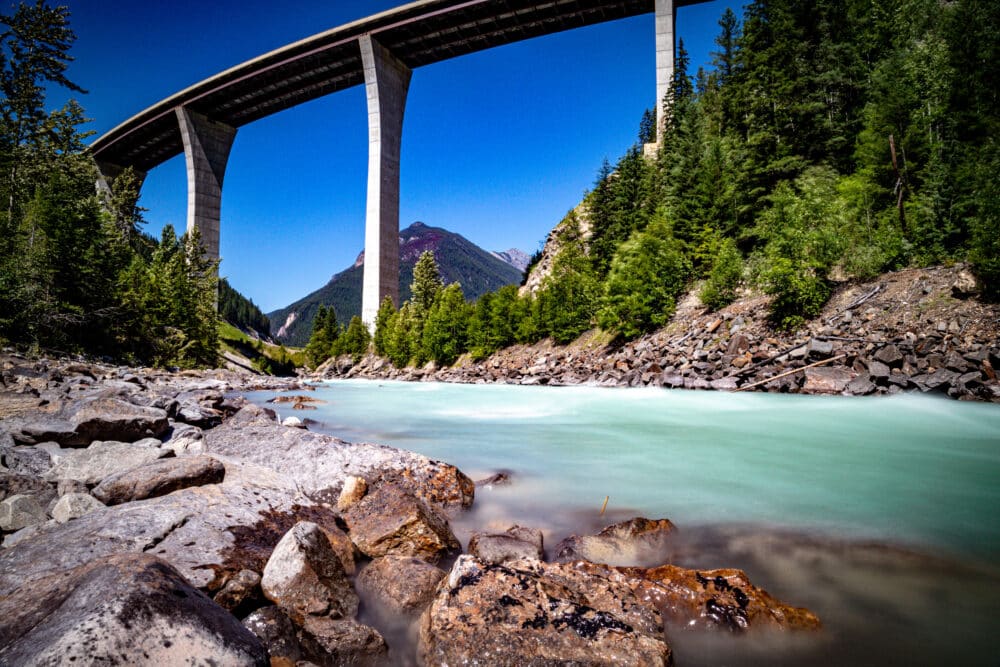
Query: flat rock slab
{"points": [[527, 612], [209, 533], [159, 478], [825, 380], [80, 422], [113, 610], [320, 464], [390, 520], [516, 543], [103, 459]]}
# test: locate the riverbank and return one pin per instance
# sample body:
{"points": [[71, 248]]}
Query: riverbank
{"points": [[153, 517], [913, 330]]}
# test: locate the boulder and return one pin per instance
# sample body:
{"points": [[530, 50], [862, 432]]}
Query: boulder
{"points": [[964, 285], [80, 422], [390, 520], [20, 511], [890, 355], [65, 486], [343, 642], [101, 460], [75, 505], [819, 349], [399, 584], [129, 608], [722, 599], [517, 543], [319, 463], [158, 479], [243, 587], [305, 577], [185, 439], [354, 490], [878, 370], [638, 541], [826, 380], [860, 386], [529, 612], [28, 460], [12, 484]]}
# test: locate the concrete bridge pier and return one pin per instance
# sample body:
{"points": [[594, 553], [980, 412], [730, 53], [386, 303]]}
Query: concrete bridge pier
{"points": [[387, 81], [206, 151], [666, 19]]}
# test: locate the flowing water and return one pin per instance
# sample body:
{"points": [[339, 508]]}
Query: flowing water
{"points": [[882, 515]]}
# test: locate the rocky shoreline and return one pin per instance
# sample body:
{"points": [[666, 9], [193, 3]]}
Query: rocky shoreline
{"points": [[915, 330], [152, 517]]}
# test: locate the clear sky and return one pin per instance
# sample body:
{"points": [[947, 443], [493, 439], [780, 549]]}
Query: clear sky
{"points": [[497, 145]]}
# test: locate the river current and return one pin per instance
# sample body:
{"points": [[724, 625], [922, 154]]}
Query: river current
{"points": [[882, 515]]}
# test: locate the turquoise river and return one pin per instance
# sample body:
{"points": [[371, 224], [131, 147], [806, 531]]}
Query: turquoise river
{"points": [[882, 515]]}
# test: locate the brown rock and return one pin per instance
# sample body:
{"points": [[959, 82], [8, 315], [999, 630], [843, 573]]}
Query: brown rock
{"points": [[305, 577], [342, 642], [354, 490], [239, 589], [714, 599], [159, 478], [528, 612], [399, 584], [825, 380], [392, 521], [517, 543], [638, 541]]}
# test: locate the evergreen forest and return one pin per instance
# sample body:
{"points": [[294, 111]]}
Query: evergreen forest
{"points": [[829, 142]]}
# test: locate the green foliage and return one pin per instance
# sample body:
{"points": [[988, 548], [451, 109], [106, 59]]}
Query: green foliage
{"points": [[355, 340], [569, 296], [426, 283], [446, 326], [325, 334], [985, 250], [720, 287], [649, 271], [383, 318], [240, 311]]}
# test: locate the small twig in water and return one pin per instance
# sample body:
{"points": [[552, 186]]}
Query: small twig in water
{"points": [[605, 505]]}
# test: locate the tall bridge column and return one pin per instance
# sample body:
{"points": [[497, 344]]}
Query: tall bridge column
{"points": [[387, 81], [666, 18], [206, 152], [108, 172]]}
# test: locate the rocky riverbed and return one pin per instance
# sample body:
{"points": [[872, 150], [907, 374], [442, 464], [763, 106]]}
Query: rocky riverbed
{"points": [[916, 330], [154, 518]]}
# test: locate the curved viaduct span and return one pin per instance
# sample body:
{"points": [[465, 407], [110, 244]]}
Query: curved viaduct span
{"points": [[379, 51]]}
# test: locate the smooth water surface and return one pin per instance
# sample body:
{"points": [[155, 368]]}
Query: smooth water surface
{"points": [[881, 514]]}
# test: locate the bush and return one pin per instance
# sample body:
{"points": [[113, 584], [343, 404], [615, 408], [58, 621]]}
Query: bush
{"points": [[719, 289]]}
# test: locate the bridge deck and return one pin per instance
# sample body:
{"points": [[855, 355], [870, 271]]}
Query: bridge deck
{"points": [[419, 33]]}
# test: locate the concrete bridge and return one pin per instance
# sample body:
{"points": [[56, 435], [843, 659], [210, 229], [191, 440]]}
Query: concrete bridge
{"points": [[379, 51]]}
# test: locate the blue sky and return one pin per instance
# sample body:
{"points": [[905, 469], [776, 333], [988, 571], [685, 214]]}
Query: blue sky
{"points": [[497, 145]]}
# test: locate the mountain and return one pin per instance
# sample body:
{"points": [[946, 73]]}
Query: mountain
{"points": [[515, 257], [459, 260]]}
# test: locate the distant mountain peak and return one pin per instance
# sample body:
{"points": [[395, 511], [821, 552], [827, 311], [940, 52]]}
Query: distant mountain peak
{"points": [[515, 257]]}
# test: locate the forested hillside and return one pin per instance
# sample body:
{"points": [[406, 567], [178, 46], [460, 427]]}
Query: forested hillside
{"points": [[241, 312], [830, 141]]}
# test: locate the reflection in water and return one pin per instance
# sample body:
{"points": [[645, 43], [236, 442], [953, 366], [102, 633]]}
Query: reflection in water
{"points": [[881, 515]]}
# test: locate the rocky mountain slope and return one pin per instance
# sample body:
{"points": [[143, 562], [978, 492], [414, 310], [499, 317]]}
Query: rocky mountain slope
{"points": [[459, 260], [912, 330]]}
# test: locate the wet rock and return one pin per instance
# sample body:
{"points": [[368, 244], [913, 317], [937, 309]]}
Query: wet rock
{"points": [[528, 612], [277, 632], [501, 478], [399, 584], [243, 587], [390, 520], [337, 642], [517, 543], [158, 479], [102, 459], [725, 383], [638, 541], [75, 505], [20, 511], [354, 490], [293, 422], [826, 380], [114, 610], [714, 599], [319, 463], [80, 422], [28, 460], [305, 577], [860, 386]]}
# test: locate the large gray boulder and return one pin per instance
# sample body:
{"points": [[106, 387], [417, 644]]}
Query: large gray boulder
{"points": [[77, 423], [121, 610], [28, 460], [516, 543], [533, 613], [305, 577], [320, 464], [159, 478], [103, 459], [209, 533], [390, 520], [74, 505]]}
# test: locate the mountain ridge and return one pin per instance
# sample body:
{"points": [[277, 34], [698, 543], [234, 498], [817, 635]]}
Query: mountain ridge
{"points": [[459, 260]]}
